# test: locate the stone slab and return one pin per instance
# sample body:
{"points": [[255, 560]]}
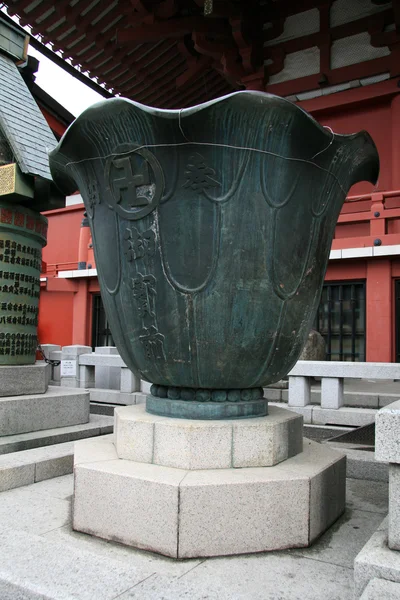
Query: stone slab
{"points": [[387, 438], [381, 588], [197, 513], [368, 496], [98, 425], [341, 543], [195, 444], [24, 379], [327, 368], [116, 397], [34, 412], [52, 570], [375, 560], [280, 576], [385, 399], [23, 509]]}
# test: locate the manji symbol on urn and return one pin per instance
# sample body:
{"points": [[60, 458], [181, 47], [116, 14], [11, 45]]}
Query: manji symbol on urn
{"points": [[212, 228]]}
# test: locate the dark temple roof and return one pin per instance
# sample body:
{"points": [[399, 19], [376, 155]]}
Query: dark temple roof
{"points": [[22, 122]]}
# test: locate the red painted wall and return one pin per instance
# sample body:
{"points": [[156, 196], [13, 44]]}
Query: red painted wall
{"points": [[55, 317], [63, 236], [376, 119]]}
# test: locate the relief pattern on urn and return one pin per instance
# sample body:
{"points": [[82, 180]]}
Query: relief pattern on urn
{"points": [[212, 228]]}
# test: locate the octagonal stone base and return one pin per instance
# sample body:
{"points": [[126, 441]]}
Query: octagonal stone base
{"points": [[195, 444], [197, 513]]}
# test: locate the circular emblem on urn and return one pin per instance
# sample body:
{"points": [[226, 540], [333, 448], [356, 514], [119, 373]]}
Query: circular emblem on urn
{"points": [[135, 181], [212, 229]]}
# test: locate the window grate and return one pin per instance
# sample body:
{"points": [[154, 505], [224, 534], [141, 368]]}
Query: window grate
{"points": [[341, 320], [101, 334]]}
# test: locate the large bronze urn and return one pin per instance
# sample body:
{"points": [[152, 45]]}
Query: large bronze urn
{"points": [[212, 228]]}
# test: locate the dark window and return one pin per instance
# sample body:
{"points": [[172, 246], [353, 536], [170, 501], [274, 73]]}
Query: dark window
{"points": [[341, 320], [101, 334]]}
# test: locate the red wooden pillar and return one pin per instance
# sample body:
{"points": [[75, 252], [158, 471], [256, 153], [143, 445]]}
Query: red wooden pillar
{"points": [[80, 314], [379, 311], [395, 109]]}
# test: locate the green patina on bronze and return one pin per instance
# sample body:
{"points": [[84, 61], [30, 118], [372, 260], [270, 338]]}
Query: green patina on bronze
{"points": [[22, 236], [212, 228]]}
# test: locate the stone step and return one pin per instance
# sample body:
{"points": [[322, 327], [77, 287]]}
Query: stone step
{"points": [[101, 408], [98, 425], [57, 407], [24, 379], [30, 466], [381, 588], [35, 568], [361, 464]]}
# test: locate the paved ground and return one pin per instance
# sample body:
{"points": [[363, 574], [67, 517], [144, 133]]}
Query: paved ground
{"points": [[40, 554]]}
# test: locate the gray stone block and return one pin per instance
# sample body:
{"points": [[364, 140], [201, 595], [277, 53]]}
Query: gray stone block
{"points": [[361, 400], [328, 497], [381, 588], [387, 438], [356, 417], [394, 507], [106, 491], [299, 391], [274, 395], [54, 467], [24, 379], [332, 392], [14, 473], [70, 358], [75, 351], [191, 444], [112, 397], [385, 399], [107, 377], [58, 407], [239, 511], [129, 382], [375, 560], [197, 513]]}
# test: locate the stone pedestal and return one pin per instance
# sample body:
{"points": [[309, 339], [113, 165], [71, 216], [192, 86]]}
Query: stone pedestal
{"points": [[380, 557], [190, 488]]}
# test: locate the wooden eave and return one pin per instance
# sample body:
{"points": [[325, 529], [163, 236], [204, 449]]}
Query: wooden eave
{"points": [[176, 53]]}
